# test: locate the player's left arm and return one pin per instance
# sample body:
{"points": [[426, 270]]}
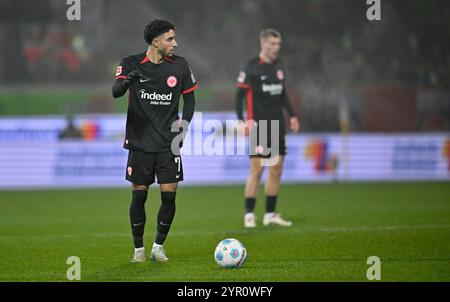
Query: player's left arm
{"points": [[188, 106], [294, 123], [189, 84]]}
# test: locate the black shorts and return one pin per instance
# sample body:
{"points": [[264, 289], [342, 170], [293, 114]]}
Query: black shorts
{"points": [[142, 167], [260, 146]]}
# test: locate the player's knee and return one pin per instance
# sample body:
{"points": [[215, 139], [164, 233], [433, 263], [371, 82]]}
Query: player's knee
{"points": [[140, 187], [171, 187], [256, 172], [276, 170]]}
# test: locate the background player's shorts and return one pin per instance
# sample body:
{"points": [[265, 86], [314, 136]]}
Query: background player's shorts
{"points": [[259, 148], [143, 166]]}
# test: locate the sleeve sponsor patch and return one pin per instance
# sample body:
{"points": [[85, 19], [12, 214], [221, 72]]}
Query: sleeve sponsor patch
{"points": [[118, 70], [241, 77], [192, 75]]}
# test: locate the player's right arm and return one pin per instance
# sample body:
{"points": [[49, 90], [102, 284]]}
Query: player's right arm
{"points": [[125, 76], [244, 91], [243, 86]]}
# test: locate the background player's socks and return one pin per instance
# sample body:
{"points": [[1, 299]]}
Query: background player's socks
{"points": [[165, 216], [250, 203], [271, 203], [137, 217]]}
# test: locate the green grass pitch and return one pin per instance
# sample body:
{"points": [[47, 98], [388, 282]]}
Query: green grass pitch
{"points": [[336, 228]]}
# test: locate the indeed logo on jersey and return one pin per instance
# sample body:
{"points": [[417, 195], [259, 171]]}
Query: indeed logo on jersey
{"points": [[155, 97], [273, 89]]}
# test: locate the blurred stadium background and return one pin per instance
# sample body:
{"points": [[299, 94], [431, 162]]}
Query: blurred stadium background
{"points": [[331, 51], [373, 98], [346, 75]]}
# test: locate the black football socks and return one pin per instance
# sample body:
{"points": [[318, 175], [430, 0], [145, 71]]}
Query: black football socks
{"points": [[165, 216], [137, 217], [271, 203], [250, 203]]}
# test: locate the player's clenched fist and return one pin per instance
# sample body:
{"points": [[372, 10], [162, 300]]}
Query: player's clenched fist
{"points": [[133, 76]]}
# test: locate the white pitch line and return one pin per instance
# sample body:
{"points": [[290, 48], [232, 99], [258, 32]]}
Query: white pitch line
{"points": [[384, 228], [309, 229]]}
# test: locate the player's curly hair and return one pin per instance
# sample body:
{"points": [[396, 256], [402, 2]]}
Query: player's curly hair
{"points": [[155, 28]]}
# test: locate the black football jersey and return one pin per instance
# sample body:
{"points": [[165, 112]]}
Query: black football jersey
{"points": [[153, 100], [266, 91]]}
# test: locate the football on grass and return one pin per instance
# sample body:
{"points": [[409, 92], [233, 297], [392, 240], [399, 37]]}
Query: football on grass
{"points": [[230, 253]]}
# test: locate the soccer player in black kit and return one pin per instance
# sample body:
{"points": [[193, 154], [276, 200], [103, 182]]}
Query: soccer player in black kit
{"points": [[262, 83], [155, 80]]}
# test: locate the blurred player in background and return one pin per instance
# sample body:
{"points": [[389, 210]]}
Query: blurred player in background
{"points": [[262, 83], [155, 80]]}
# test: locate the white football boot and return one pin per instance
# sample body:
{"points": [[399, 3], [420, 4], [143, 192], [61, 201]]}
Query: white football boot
{"points": [[139, 255], [158, 253], [249, 220], [275, 218]]}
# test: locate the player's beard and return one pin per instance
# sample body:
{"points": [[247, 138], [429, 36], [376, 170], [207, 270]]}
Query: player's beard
{"points": [[167, 52]]}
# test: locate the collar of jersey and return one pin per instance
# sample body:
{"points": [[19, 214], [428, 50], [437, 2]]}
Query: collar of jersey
{"points": [[145, 60], [261, 61]]}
